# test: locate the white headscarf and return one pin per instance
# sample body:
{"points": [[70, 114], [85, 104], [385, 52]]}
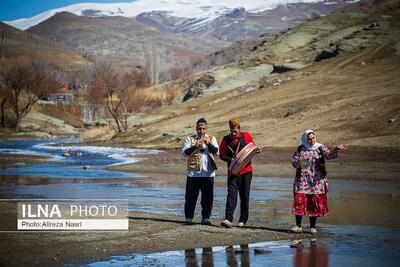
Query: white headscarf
{"points": [[305, 143]]}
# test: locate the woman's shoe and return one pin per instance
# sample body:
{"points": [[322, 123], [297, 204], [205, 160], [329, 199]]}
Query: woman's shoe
{"points": [[297, 230], [313, 231]]}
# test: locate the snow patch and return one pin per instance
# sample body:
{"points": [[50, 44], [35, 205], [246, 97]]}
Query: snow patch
{"points": [[201, 10]]}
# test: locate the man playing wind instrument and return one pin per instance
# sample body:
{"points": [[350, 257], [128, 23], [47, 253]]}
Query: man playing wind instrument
{"points": [[200, 150]]}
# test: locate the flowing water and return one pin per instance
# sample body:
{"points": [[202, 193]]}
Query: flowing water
{"points": [[365, 215]]}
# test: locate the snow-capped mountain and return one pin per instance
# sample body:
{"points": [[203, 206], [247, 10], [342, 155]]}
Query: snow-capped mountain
{"points": [[199, 12]]}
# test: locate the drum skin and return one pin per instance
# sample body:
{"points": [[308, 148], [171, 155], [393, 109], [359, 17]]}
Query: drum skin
{"points": [[243, 158]]}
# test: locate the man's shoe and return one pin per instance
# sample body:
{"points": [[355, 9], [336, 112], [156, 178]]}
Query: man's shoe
{"points": [[206, 221], [189, 221], [297, 230], [313, 231], [226, 224], [242, 224]]}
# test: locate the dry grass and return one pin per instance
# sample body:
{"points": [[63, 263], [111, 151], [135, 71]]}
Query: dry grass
{"points": [[148, 98], [98, 133]]}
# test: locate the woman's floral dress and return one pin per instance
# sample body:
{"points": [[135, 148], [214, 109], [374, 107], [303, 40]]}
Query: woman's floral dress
{"points": [[310, 185]]}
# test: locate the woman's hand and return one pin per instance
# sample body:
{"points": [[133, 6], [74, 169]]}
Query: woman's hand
{"points": [[342, 147]]}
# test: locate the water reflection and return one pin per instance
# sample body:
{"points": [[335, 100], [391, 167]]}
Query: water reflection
{"points": [[206, 257], [314, 255], [233, 261], [278, 253]]}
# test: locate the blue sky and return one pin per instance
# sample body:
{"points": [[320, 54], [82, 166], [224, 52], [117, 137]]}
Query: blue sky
{"points": [[16, 9]]}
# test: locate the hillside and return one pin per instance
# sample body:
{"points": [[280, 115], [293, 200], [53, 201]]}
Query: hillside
{"points": [[43, 122], [352, 97], [349, 29], [25, 44], [122, 41]]}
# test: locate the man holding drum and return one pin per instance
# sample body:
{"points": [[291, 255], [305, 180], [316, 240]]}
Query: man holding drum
{"points": [[237, 149]]}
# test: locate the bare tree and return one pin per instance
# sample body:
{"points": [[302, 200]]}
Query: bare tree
{"points": [[177, 72], [109, 86], [136, 78], [27, 82], [5, 100]]}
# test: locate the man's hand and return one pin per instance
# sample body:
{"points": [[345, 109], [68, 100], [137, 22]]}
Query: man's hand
{"points": [[198, 143], [205, 140]]}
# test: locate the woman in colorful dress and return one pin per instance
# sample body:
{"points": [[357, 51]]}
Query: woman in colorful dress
{"points": [[311, 185]]}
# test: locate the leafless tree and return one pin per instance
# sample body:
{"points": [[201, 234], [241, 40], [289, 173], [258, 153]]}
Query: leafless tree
{"points": [[5, 100], [177, 72], [112, 88], [27, 82]]}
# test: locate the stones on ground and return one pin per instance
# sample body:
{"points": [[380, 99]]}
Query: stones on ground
{"points": [[277, 82], [86, 167], [196, 89], [262, 251], [290, 112], [281, 68], [249, 89], [331, 51]]}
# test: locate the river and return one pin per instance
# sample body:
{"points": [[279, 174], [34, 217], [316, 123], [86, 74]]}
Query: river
{"points": [[364, 215]]}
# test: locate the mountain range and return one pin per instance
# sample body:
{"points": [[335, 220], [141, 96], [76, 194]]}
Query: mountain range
{"points": [[177, 32], [187, 13]]}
